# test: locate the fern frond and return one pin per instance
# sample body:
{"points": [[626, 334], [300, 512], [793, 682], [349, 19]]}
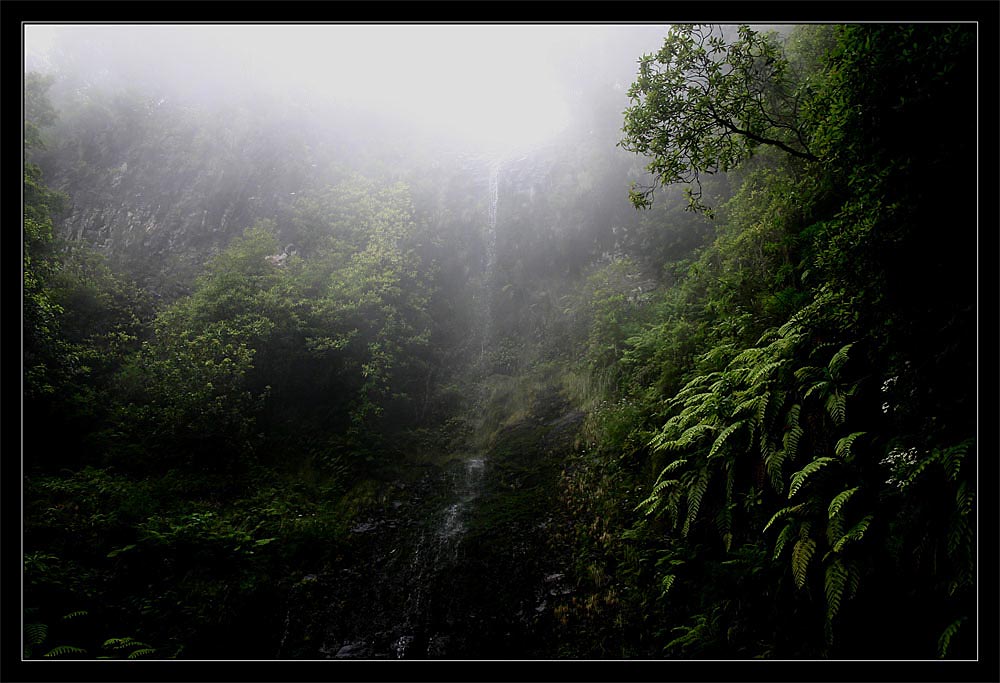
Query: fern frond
{"points": [[836, 407], [723, 435], [800, 477], [945, 640], [690, 437], [762, 403], [817, 388], [836, 580], [856, 533], [839, 500], [695, 494], [790, 441], [654, 495], [783, 538], [746, 406], [792, 326], [782, 513], [142, 652], [834, 530], [672, 467], [666, 583], [964, 499], [698, 383], [838, 360], [65, 650], [748, 356], [809, 374], [853, 579], [35, 634], [75, 615], [802, 552], [794, 412], [662, 485], [951, 459], [773, 461], [960, 537], [844, 445], [119, 643], [767, 369]]}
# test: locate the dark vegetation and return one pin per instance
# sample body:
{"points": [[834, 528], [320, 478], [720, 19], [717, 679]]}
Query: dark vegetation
{"points": [[738, 425]]}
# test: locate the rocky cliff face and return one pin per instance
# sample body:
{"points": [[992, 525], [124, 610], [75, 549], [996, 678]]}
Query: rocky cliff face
{"points": [[158, 187]]}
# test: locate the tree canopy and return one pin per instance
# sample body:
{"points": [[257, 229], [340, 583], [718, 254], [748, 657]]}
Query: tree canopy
{"points": [[704, 103]]}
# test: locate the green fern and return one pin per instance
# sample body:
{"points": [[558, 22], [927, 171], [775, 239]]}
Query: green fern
{"points": [[944, 642], [773, 462], [65, 651], [35, 634], [802, 553], [844, 445], [836, 407], [666, 583], [951, 458], [839, 500], [800, 477], [672, 467], [763, 402], [767, 369], [654, 495], [723, 435], [853, 580], [121, 643], [834, 531], [838, 360], [696, 492], [701, 631], [782, 513], [791, 441], [143, 652], [856, 533], [836, 581], [75, 615], [783, 538], [769, 335]]}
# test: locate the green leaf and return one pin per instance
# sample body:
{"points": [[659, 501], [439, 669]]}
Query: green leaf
{"points": [[944, 642], [65, 651], [118, 551], [838, 360], [725, 434], [782, 513], [802, 552], [843, 447], [666, 583], [839, 500], [856, 533], [836, 580], [800, 477]]}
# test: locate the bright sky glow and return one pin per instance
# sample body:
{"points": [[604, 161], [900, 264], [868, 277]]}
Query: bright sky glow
{"points": [[493, 86]]}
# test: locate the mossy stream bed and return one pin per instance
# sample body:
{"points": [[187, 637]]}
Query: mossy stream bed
{"points": [[454, 561]]}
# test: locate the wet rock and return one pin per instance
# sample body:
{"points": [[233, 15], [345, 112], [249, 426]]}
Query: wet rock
{"points": [[438, 646], [402, 645], [352, 651]]}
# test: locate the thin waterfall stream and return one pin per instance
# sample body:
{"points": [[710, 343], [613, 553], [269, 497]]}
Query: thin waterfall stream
{"points": [[416, 588], [490, 246]]}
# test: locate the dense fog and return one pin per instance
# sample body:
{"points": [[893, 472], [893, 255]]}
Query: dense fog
{"points": [[498, 342]]}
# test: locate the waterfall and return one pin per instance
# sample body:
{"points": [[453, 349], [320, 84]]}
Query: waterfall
{"points": [[467, 490], [490, 241]]}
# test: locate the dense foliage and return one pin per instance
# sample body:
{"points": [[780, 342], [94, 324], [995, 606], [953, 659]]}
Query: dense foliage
{"points": [[798, 411], [779, 453]]}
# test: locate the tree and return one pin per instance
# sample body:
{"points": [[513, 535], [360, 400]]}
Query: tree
{"points": [[701, 105]]}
